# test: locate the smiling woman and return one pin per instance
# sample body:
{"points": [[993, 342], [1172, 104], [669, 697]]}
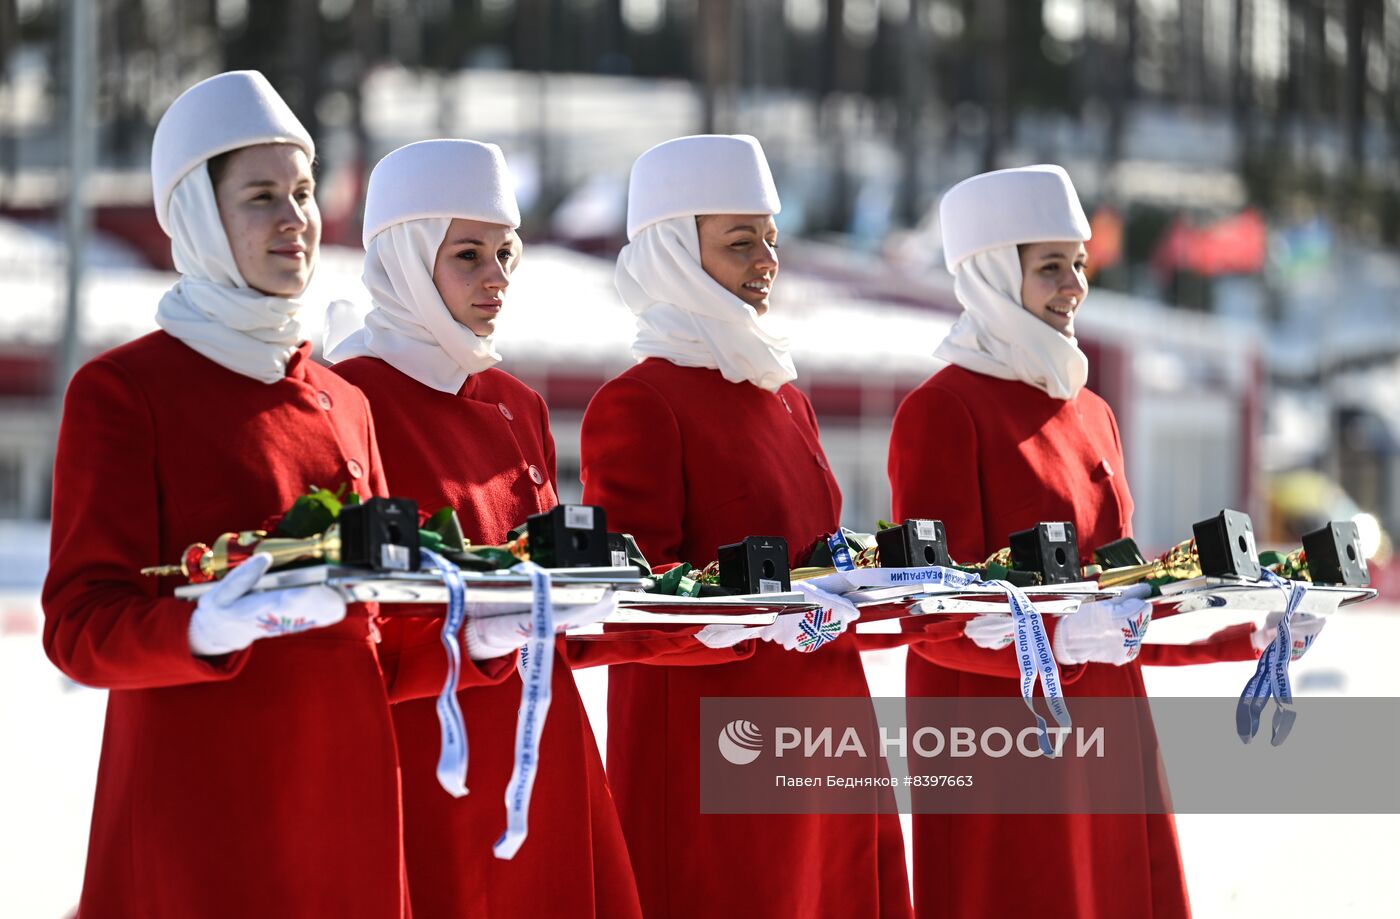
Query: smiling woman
{"points": [[1053, 283], [1006, 436], [267, 204], [703, 443], [218, 422], [740, 251]]}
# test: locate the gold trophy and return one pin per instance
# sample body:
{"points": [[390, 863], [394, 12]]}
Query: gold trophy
{"points": [[1330, 555], [1293, 566], [1181, 562], [202, 563], [1222, 546]]}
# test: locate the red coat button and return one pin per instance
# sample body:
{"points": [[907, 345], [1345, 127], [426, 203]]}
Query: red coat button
{"points": [[505, 411], [356, 470], [821, 460], [1107, 469], [535, 475], [785, 404], [323, 399]]}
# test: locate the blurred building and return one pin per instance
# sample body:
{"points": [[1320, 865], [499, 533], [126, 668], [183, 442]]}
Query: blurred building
{"points": [[1239, 160], [1186, 390]]}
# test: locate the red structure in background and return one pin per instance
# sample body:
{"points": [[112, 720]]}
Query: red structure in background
{"points": [[1234, 245]]}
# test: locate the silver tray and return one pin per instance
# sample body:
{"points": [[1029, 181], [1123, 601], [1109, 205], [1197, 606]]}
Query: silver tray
{"points": [[488, 593], [1233, 594]]}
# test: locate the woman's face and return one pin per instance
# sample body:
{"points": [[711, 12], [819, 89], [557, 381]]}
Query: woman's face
{"points": [[1053, 283], [267, 204], [740, 251], [472, 271]]}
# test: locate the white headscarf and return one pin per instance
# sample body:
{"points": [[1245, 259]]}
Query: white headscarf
{"points": [[997, 336], [211, 308], [687, 317], [409, 326]]}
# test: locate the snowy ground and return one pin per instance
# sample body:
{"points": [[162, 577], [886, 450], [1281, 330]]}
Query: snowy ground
{"points": [[1338, 866]]}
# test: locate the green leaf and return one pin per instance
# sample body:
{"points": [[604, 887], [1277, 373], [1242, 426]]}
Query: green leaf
{"points": [[670, 582], [819, 555], [448, 528], [499, 559], [311, 514], [635, 556]]}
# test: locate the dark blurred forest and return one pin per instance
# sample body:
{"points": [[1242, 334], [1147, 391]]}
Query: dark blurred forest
{"points": [[1311, 87]]}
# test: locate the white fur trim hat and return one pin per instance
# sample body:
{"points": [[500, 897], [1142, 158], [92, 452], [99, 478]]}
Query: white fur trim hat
{"points": [[701, 174], [440, 178], [225, 112], [1009, 207]]}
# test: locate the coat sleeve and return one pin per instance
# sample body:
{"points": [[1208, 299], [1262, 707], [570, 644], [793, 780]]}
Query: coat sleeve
{"points": [[415, 662], [935, 472], [104, 624], [632, 467], [652, 646], [1231, 643], [916, 633]]}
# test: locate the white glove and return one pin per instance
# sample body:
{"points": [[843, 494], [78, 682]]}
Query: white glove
{"points": [[1105, 632], [805, 632], [992, 631], [719, 635], [571, 618], [228, 618], [493, 636], [1303, 628]]}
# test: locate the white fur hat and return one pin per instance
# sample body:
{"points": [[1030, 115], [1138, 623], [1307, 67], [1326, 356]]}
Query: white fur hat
{"points": [[701, 174], [231, 110], [440, 178], [1009, 207]]}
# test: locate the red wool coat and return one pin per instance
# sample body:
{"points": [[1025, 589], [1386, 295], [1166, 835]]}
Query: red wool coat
{"points": [[686, 462], [487, 451], [989, 457], [261, 783]]}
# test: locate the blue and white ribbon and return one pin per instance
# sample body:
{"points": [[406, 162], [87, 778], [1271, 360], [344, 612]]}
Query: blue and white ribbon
{"points": [[452, 753], [867, 578], [1271, 675], [536, 671], [840, 551], [1034, 655], [1036, 659]]}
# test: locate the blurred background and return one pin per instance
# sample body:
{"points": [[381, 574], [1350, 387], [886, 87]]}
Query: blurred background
{"points": [[1240, 160]]}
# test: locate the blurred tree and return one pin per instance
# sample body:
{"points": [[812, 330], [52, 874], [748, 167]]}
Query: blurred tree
{"points": [[1309, 89], [283, 40], [717, 57], [9, 44]]}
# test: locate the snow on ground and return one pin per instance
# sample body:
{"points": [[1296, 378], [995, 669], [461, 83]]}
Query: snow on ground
{"points": [[1338, 866]]}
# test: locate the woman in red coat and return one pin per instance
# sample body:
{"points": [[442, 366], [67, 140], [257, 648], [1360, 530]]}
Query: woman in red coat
{"points": [[702, 443], [245, 771], [456, 430], [1003, 438]]}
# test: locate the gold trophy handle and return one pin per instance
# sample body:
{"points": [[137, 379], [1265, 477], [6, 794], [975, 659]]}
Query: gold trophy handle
{"points": [[202, 563], [1181, 561]]}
